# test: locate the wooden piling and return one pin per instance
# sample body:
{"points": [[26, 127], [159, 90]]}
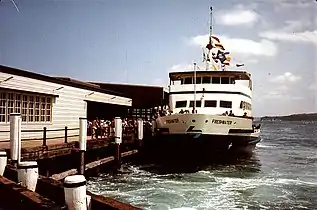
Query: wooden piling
{"points": [[82, 162]]}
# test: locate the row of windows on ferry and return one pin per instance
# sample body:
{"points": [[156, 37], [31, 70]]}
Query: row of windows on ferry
{"points": [[212, 103], [33, 108], [208, 80]]}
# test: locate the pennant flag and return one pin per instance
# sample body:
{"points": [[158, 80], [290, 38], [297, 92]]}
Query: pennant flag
{"points": [[204, 56], [221, 56], [220, 46], [239, 65], [215, 38], [209, 45]]}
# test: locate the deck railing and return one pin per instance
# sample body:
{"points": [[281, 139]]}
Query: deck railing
{"points": [[44, 132]]}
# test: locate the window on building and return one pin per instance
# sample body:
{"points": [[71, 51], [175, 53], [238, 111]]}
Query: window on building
{"points": [[3, 106], [226, 104], [206, 80], [215, 80], [210, 103], [198, 103], [33, 108], [10, 102], [181, 104]]}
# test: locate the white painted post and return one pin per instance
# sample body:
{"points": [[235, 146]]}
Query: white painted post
{"points": [[75, 192], [118, 130], [3, 162], [82, 133], [19, 139], [140, 129], [14, 137], [118, 141], [28, 173], [82, 143]]}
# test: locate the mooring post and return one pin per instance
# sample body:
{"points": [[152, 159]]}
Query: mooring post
{"points": [[44, 136], [140, 132], [28, 174], [118, 140], [65, 137], [153, 127], [75, 192], [82, 143], [15, 137], [88, 201], [3, 161]]}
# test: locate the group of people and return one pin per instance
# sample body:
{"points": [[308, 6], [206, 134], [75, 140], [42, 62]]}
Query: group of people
{"points": [[100, 128], [105, 128]]}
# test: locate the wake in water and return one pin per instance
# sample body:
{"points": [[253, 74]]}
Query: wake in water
{"points": [[281, 175]]}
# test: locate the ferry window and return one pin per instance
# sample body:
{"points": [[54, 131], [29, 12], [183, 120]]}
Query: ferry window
{"points": [[198, 104], [226, 104], [225, 80], [211, 103], [216, 80], [242, 105], [232, 81], [198, 80], [206, 80], [249, 106], [188, 80], [181, 104]]}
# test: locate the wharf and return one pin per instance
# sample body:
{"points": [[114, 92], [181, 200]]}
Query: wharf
{"points": [[56, 160]]}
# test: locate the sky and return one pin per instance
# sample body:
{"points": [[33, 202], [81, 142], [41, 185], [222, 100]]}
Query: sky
{"points": [[141, 41]]}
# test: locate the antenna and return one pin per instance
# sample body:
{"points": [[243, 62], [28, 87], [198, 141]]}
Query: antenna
{"points": [[210, 26], [14, 4], [194, 87]]}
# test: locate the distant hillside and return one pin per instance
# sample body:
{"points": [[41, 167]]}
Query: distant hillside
{"points": [[293, 117]]}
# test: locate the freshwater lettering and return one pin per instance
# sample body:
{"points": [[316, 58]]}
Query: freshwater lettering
{"points": [[225, 122]]}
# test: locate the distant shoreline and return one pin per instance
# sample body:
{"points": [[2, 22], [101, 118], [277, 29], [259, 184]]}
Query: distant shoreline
{"points": [[293, 117]]}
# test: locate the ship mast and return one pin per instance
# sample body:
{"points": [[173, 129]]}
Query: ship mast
{"points": [[210, 24], [195, 76], [209, 45]]}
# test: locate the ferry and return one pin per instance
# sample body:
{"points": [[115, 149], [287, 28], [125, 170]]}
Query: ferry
{"points": [[209, 109]]}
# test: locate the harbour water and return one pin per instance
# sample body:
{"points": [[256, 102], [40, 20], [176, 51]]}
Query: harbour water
{"points": [[281, 174]]}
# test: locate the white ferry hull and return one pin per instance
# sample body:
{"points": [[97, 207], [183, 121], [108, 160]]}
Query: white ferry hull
{"points": [[205, 133]]}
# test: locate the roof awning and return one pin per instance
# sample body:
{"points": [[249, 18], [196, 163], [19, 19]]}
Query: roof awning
{"points": [[33, 92], [109, 99]]}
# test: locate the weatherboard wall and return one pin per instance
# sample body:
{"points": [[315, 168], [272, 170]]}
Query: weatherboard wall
{"points": [[68, 105]]}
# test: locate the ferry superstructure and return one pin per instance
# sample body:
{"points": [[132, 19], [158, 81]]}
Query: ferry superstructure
{"points": [[209, 109]]}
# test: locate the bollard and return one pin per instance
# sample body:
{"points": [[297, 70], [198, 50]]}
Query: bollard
{"points": [[118, 140], [140, 132], [15, 137], [82, 143], [28, 174], [3, 162], [75, 192]]}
